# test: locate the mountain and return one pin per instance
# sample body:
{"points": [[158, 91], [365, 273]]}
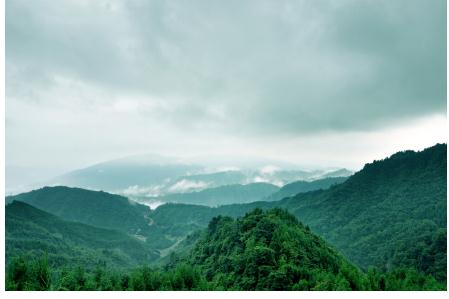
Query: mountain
{"points": [[390, 214], [105, 210], [343, 172], [32, 232], [223, 195], [305, 186], [149, 175], [95, 208], [121, 174], [270, 250], [153, 175], [206, 180]]}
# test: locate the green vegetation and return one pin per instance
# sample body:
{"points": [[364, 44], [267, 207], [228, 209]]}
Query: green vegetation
{"points": [[390, 214], [269, 250], [386, 223], [37, 275], [31, 232], [95, 208]]}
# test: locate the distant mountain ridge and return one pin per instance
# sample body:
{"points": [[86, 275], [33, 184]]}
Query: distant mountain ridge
{"points": [[304, 186], [154, 175], [222, 195], [123, 173]]}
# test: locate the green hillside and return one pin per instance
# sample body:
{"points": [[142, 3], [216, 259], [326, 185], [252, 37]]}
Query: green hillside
{"points": [[98, 209], [391, 213], [268, 250], [32, 232], [95, 208]]}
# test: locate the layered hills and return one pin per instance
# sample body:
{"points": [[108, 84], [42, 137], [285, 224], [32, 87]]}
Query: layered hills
{"points": [[391, 214]]}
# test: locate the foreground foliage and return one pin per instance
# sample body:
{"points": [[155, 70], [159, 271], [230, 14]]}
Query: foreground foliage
{"points": [[265, 250]]}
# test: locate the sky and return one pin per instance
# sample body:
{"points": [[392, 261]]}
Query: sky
{"points": [[316, 83]]}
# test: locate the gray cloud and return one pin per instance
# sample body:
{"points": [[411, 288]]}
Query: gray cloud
{"points": [[327, 82], [267, 66]]}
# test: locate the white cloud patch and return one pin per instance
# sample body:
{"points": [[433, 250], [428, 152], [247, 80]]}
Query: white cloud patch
{"points": [[227, 168], [269, 180], [147, 191], [185, 185], [153, 204], [269, 169]]}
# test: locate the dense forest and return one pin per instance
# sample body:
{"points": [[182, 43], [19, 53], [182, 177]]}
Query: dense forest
{"points": [[391, 213], [32, 233], [99, 209], [383, 228], [268, 250]]}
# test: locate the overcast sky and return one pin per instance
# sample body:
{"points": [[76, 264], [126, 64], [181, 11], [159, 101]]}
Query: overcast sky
{"points": [[326, 83]]}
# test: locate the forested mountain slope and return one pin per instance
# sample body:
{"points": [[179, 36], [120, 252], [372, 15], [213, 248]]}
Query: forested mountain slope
{"points": [[95, 208], [391, 213], [270, 250], [98, 209], [33, 232]]}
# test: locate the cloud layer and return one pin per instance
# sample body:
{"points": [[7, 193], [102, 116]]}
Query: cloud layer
{"points": [[88, 76], [265, 66]]}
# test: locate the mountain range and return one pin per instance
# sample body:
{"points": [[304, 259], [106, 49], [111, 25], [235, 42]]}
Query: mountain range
{"points": [[148, 176], [391, 214]]}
